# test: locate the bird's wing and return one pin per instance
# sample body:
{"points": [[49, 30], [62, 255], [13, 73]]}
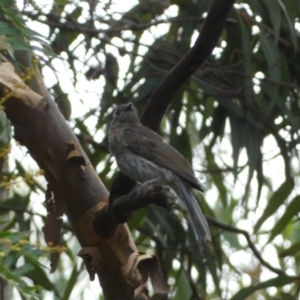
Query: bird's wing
{"points": [[148, 144]]}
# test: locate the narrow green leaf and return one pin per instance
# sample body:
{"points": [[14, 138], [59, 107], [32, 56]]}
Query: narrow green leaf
{"points": [[15, 237], [38, 275], [137, 218], [291, 251], [292, 209], [289, 9], [248, 57], [183, 290], [233, 240], [27, 292], [212, 266], [71, 283], [21, 271], [247, 48], [219, 120], [236, 141], [275, 98], [253, 144], [4, 25], [260, 178], [4, 234], [275, 201], [275, 16], [14, 17], [278, 281], [216, 177], [270, 50], [10, 31]]}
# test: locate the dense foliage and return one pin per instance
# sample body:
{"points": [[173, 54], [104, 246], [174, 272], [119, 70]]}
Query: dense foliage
{"points": [[236, 120]]}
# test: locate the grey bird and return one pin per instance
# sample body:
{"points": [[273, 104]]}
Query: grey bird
{"points": [[142, 155]]}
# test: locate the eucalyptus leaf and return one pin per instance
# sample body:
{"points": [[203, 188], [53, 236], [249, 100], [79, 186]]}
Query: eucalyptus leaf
{"points": [[277, 281], [275, 201], [291, 210]]}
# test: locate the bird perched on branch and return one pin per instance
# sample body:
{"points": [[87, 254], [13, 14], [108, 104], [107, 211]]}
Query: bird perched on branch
{"points": [[142, 155]]}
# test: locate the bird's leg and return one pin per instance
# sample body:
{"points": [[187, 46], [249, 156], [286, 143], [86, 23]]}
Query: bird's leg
{"points": [[144, 184], [149, 181]]}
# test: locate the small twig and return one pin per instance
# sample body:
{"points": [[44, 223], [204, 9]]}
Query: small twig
{"points": [[219, 170], [72, 25], [193, 284], [255, 251], [103, 146], [20, 210], [23, 210]]}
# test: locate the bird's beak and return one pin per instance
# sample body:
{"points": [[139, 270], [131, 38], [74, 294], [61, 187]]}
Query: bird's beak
{"points": [[128, 107]]}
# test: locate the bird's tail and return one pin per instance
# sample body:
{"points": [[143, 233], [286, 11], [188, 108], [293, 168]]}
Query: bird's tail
{"points": [[197, 217]]}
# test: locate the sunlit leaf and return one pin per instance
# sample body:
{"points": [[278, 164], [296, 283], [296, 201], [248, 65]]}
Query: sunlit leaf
{"points": [[183, 290], [27, 292], [291, 210], [274, 12], [289, 8], [71, 284], [277, 282], [272, 56], [216, 176], [275, 201], [291, 251]]}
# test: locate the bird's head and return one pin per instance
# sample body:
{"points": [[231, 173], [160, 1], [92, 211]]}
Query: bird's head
{"points": [[125, 114]]}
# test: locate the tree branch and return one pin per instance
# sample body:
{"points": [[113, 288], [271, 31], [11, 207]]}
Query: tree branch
{"points": [[71, 25], [252, 246], [121, 208], [203, 47]]}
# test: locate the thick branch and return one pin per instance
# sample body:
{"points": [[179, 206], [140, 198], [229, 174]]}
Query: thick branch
{"points": [[74, 185], [146, 195], [121, 208], [204, 45]]}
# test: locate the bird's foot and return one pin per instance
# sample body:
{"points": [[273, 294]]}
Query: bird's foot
{"points": [[144, 184], [171, 198], [166, 197]]}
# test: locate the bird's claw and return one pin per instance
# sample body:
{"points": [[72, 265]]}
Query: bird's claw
{"points": [[166, 198], [144, 184]]}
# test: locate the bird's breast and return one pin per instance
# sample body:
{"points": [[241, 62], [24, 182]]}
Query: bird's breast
{"points": [[141, 169], [116, 144]]}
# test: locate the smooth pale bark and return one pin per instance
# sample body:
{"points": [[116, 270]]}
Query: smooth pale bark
{"points": [[72, 181]]}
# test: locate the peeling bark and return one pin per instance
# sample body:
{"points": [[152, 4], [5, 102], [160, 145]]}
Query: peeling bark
{"points": [[73, 183]]}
